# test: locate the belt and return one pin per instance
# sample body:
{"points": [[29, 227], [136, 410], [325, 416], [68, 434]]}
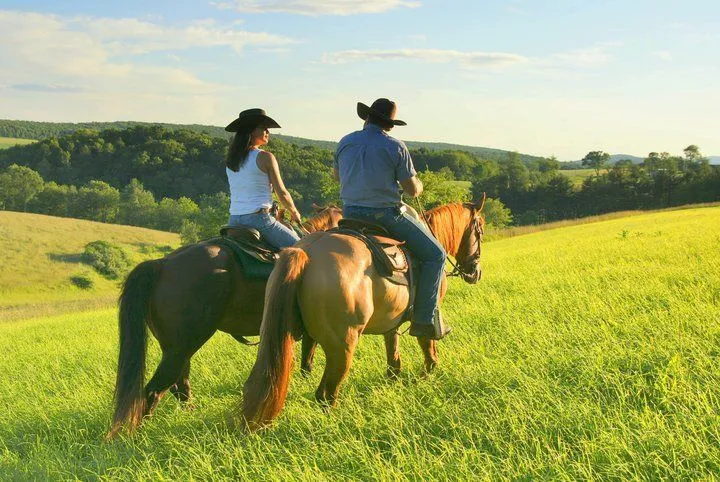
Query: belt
{"points": [[262, 210]]}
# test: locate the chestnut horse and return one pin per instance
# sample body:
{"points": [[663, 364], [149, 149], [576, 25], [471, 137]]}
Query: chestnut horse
{"points": [[326, 286], [184, 298]]}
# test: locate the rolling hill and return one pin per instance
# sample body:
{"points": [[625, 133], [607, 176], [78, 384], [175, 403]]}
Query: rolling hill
{"points": [[42, 253]]}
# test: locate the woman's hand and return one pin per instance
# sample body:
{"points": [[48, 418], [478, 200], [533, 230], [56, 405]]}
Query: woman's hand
{"points": [[295, 216]]}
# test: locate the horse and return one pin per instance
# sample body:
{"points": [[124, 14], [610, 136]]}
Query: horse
{"points": [[184, 298], [326, 287]]}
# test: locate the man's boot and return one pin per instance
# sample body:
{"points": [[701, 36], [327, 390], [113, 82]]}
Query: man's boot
{"points": [[435, 331]]}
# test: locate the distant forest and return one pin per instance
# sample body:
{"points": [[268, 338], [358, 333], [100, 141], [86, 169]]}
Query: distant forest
{"points": [[173, 178], [44, 130]]}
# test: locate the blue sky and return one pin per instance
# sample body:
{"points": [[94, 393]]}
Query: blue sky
{"points": [[556, 77]]}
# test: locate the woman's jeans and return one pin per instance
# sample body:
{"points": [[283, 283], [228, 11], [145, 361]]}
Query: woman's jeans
{"points": [[272, 231], [424, 247]]}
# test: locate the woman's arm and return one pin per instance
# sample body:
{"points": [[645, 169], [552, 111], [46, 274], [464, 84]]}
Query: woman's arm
{"points": [[269, 165]]}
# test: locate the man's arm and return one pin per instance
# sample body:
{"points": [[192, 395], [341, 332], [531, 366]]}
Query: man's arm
{"points": [[412, 186]]}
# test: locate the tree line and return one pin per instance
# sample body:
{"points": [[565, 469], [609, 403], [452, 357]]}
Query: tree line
{"points": [[95, 175]]}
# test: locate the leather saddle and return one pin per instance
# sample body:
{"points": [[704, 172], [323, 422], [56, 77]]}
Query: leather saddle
{"points": [[391, 258], [256, 257]]}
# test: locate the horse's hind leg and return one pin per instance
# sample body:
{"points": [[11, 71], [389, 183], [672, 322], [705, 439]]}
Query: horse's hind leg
{"points": [[181, 388], [429, 349], [392, 344], [308, 354], [167, 373], [337, 364]]}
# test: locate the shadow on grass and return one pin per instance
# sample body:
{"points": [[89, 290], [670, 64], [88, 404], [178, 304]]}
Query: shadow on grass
{"points": [[75, 258]]}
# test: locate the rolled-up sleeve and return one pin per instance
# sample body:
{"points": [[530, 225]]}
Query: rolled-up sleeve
{"points": [[405, 168]]}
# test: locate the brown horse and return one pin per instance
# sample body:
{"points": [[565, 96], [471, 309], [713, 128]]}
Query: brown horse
{"points": [[184, 298], [326, 286]]}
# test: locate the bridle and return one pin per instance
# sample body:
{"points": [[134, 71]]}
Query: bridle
{"points": [[475, 226]]}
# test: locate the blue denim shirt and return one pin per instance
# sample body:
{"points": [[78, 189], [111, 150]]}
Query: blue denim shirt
{"points": [[370, 164]]}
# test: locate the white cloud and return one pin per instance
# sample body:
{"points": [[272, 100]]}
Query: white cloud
{"points": [[664, 55], [588, 57], [316, 7], [469, 59], [82, 65]]}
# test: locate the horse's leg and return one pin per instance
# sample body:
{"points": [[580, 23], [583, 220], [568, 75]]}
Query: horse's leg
{"points": [[308, 353], [392, 343], [337, 364], [429, 349], [167, 373], [181, 388]]}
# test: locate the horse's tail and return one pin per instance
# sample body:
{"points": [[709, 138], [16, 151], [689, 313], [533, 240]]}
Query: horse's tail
{"points": [[133, 316], [266, 388]]}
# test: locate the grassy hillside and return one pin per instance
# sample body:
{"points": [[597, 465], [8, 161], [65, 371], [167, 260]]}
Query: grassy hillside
{"points": [[587, 352], [6, 142], [41, 253]]}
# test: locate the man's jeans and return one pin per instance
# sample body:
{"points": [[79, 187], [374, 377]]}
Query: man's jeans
{"points": [[424, 247], [274, 233]]}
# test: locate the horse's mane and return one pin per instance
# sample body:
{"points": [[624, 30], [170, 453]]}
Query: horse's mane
{"points": [[322, 220], [448, 223]]}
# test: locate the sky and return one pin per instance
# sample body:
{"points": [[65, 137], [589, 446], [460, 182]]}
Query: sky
{"points": [[560, 77]]}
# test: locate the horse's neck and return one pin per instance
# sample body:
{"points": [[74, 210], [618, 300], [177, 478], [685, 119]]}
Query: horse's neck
{"points": [[448, 227]]}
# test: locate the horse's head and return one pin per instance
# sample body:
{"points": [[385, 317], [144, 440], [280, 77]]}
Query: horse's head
{"points": [[325, 217], [468, 254]]}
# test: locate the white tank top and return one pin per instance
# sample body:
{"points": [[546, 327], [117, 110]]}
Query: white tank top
{"points": [[249, 187]]}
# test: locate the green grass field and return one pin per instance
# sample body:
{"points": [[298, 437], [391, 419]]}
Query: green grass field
{"points": [[577, 176], [41, 253], [586, 352], [6, 142]]}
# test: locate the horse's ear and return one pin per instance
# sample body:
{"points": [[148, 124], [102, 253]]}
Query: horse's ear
{"points": [[317, 208], [481, 203]]}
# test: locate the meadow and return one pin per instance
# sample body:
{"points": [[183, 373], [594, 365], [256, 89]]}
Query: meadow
{"points": [[40, 255], [590, 351], [6, 142], [577, 176]]}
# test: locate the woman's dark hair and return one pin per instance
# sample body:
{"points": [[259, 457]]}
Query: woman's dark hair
{"points": [[239, 148]]}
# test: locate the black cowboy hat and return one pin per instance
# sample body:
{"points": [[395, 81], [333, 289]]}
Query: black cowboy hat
{"points": [[251, 118], [383, 109]]}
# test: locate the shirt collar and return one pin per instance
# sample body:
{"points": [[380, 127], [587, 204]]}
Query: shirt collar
{"points": [[373, 128]]}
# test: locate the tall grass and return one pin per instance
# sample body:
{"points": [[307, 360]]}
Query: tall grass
{"points": [[587, 352]]}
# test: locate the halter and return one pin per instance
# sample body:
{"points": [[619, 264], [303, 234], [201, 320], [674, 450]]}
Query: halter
{"points": [[475, 225]]}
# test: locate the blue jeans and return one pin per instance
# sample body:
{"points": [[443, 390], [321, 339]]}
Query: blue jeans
{"points": [[424, 247], [274, 233]]}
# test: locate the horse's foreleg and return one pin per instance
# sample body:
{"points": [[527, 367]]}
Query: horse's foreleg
{"points": [[167, 373], [181, 388], [392, 351], [308, 354], [429, 349], [337, 365]]}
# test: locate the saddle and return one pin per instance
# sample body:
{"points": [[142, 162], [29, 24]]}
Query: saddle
{"points": [[391, 258], [256, 257]]}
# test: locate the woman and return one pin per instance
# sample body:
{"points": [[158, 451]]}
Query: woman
{"points": [[252, 175]]}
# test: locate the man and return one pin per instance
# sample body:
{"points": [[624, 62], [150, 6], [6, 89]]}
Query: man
{"points": [[372, 166]]}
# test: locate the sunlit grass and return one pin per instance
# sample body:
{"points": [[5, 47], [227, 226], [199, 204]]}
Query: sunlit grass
{"points": [[6, 142], [587, 352], [41, 253]]}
